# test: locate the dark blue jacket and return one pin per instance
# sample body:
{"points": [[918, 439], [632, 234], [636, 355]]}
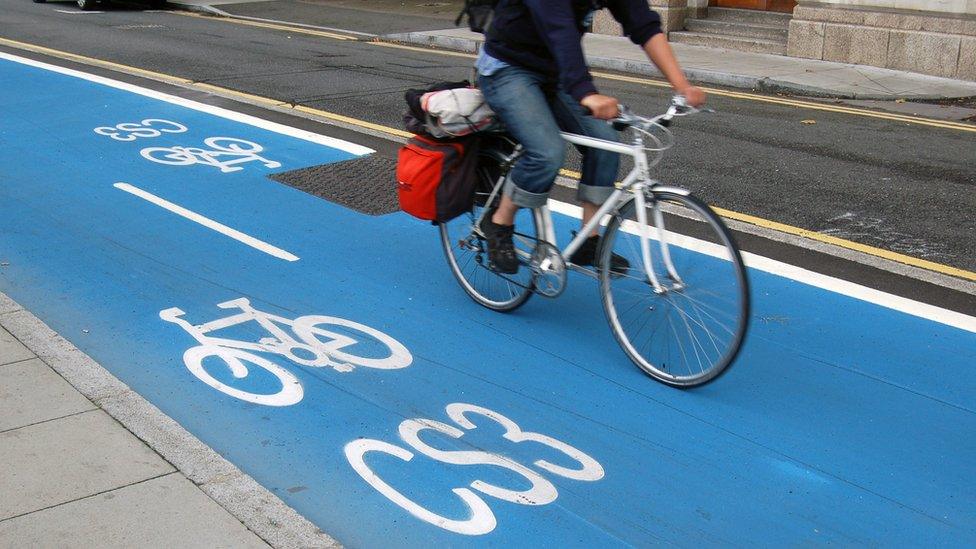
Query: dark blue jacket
{"points": [[546, 36]]}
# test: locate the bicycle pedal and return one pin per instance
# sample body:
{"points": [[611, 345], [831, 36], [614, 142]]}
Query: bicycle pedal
{"points": [[491, 267]]}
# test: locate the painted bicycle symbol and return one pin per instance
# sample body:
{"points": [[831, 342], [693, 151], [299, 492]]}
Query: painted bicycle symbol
{"points": [[318, 342], [480, 520], [233, 151]]}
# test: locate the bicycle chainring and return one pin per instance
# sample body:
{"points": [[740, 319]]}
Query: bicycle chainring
{"points": [[548, 269], [547, 281]]}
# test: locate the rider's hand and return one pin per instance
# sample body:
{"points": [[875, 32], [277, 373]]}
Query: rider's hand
{"points": [[693, 95], [601, 106]]}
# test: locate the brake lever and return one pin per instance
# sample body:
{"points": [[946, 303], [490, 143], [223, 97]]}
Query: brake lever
{"points": [[617, 124], [682, 109], [674, 110]]}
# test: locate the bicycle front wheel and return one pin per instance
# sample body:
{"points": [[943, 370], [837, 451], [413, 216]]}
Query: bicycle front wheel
{"points": [[467, 253], [689, 333]]}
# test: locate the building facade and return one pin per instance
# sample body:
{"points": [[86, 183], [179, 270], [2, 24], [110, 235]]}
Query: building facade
{"points": [[935, 37]]}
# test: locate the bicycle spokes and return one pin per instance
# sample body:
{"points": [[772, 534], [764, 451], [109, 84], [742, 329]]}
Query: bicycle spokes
{"points": [[686, 329]]}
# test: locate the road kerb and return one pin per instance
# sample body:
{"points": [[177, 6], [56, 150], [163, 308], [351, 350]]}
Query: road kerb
{"points": [[256, 507]]}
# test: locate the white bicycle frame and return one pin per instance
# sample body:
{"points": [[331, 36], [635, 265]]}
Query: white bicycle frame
{"points": [[636, 183]]}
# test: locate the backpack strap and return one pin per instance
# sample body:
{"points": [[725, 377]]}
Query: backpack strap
{"points": [[479, 14]]}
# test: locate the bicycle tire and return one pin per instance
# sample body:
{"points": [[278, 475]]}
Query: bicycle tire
{"points": [[714, 297], [466, 253]]}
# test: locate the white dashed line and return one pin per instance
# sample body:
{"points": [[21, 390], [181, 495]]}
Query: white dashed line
{"points": [[209, 223]]}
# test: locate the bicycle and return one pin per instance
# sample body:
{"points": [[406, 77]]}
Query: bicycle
{"points": [[693, 280]]}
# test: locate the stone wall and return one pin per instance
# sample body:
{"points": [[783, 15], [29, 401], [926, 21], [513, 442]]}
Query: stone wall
{"points": [[942, 6], [927, 42]]}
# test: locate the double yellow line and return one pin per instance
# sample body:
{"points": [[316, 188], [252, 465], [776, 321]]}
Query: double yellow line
{"points": [[757, 221]]}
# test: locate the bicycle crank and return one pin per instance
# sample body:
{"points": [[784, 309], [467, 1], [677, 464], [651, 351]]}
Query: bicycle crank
{"points": [[544, 262], [548, 269]]}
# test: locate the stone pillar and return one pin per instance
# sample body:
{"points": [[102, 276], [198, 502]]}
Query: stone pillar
{"points": [[672, 14], [697, 9]]}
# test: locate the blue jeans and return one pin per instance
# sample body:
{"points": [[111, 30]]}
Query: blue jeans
{"points": [[534, 110]]}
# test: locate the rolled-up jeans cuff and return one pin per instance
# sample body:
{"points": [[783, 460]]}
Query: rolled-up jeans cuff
{"points": [[523, 198], [592, 194]]}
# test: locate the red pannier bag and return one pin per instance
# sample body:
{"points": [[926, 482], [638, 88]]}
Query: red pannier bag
{"points": [[436, 178]]}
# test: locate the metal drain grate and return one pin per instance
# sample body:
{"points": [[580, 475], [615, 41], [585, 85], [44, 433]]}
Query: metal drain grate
{"points": [[366, 184]]}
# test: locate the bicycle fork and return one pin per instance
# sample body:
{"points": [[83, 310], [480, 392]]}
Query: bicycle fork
{"points": [[644, 227]]}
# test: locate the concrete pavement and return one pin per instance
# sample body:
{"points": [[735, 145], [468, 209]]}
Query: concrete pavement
{"points": [[757, 71], [754, 71]]}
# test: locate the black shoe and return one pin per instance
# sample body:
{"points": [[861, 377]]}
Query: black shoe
{"points": [[586, 256], [501, 250]]}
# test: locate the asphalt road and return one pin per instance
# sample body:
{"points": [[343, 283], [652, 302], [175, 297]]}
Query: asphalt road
{"points": [[892, 185]]}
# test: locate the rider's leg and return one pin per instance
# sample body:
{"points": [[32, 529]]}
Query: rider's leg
{"points": [[599, 174], [589, 210], [522, 99], [505, 214], [599, 168]]}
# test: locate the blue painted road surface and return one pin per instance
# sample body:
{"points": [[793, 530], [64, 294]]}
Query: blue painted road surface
{"points": [[431, 420]]}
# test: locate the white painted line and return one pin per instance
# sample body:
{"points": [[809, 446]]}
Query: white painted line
{"points": [[76, 12], [209, 223], [340, 144], [836, 285]]}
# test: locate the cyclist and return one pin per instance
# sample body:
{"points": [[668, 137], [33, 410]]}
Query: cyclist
{"points": [[534, 76]]}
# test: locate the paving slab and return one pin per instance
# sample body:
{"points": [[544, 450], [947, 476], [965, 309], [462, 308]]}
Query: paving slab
{"points": [[79, 369], [31, 392], [168, 511], [12, 350], [63, 460]]}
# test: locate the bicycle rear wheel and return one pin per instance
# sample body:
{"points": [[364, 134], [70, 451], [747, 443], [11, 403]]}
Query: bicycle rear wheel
{"points": [[467, 252], [689, 334]]}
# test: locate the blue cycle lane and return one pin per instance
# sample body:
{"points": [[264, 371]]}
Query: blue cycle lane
{"points": [[842, 421]]}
